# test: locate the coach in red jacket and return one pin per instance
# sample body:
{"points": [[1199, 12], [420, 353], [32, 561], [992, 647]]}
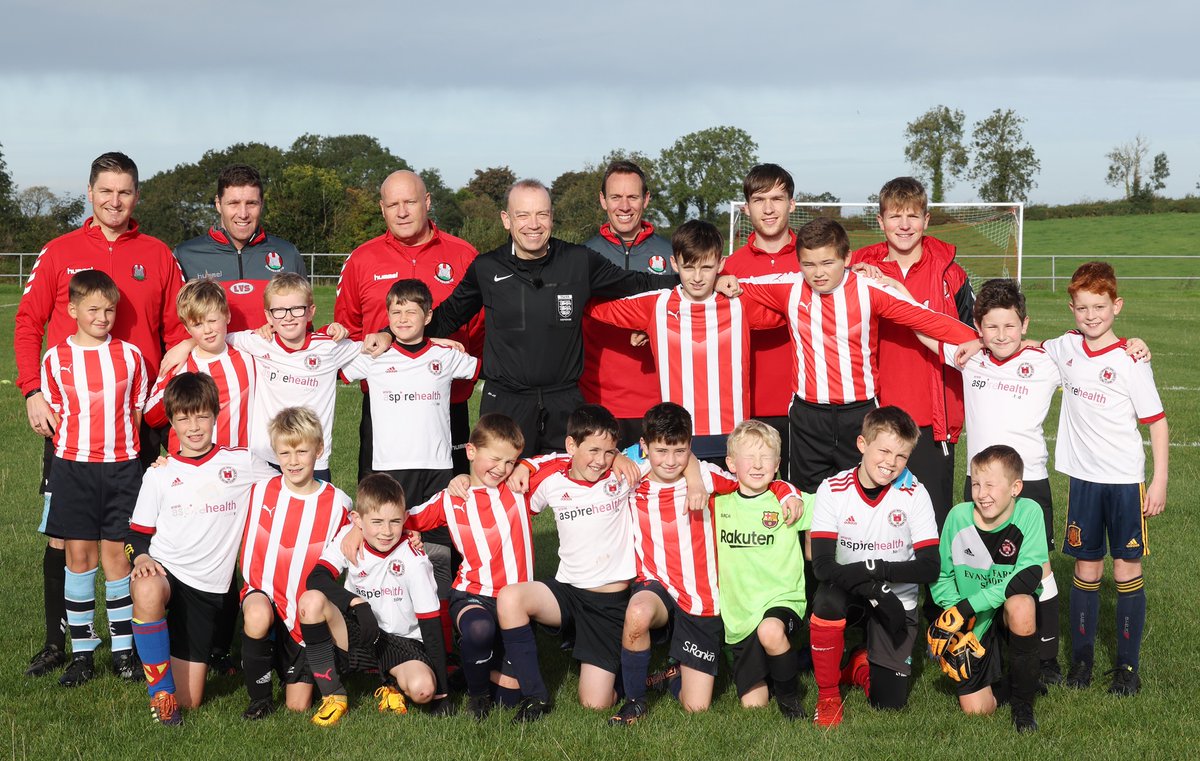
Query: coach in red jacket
{"points": [[911, 376], [411, 247], [148, 279]]}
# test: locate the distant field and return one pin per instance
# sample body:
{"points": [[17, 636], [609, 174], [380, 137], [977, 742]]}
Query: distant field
{"points": [[1136, 234], [109, 720]]}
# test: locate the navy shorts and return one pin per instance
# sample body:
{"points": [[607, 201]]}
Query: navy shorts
{"points": [[1095, 511]]}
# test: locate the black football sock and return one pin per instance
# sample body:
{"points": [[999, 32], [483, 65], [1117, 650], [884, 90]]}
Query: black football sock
{"points": [[507, 697], [1085, 612], [476, 645], [1131, 620], [783, 669], [1024, 668], [258, 661], [54, 579], [1047, 620], [635, 665], [521, 650], [318, 647]]}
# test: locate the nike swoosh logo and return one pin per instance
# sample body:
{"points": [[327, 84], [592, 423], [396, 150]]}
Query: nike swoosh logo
{"points": [[1047, 639], [497, 278]]}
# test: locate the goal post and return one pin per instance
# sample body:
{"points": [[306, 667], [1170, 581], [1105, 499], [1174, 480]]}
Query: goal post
{"points": [[987, 236]]}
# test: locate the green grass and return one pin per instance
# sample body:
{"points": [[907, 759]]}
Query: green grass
{"points": [[109, 720]]}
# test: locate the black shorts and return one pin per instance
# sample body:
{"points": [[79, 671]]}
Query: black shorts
{"points": [[541, 413], [750, 659], [824, 440], [593, 621], [192, 617], [92, 500], [389, 651], [988, 671], [47, 461], [695, 641]]}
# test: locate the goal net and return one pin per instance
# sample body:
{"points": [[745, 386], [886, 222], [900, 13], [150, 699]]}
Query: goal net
{"points": [[987, 235]]}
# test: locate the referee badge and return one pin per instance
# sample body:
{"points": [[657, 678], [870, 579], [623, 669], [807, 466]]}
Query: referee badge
{"points": [[770, 518], [566, 307]]}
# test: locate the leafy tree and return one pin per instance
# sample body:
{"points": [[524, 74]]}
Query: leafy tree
{"points": [[1160, 172], [935, 147], [482, 227], [1128, 169], [1004, 165], [358, 160], [44, 215], [577, 212], [8, 205], [305, 204], [492, 183], [703, 170], [825, 197], [446, 211]]}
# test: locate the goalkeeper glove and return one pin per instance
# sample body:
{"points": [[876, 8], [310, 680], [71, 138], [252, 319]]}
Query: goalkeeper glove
{"points": [[962, 656], [950, 622], [368, 627]]}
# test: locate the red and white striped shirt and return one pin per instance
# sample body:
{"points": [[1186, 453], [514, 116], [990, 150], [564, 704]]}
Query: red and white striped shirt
{"points": [[97, 392], [701, 349], [490, 529], [835, 337], [285, 536], [675, 546], [233, 373]]}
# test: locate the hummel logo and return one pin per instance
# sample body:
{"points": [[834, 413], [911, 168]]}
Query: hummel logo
{"points": [[498, 278], [387, 276], [177, 482], [851, 522]]}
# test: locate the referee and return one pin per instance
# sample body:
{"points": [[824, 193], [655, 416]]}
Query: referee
{"points": [[533, 292]]}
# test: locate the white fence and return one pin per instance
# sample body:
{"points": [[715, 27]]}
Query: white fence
{"points": [[1038, 268]]}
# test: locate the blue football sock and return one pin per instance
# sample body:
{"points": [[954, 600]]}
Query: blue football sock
{"points": [[1131, 620], [521, 650], [154, 648], [1085, 613], [119, 607], [635, 665], [79, 591]]}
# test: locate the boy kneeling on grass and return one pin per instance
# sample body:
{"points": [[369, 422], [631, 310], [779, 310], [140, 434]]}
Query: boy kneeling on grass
{"points": [[385, 616]]}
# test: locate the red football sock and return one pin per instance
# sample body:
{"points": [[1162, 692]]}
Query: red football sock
{"points": [[858, 673], [828, 643]]}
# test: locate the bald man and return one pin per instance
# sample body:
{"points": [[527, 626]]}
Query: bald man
{"points": [[411, 247]]}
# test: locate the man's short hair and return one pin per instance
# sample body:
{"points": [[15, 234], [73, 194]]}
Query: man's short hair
{"points": [[238, 176], [821, 232], [1094, 277], [893, 420], [999, 293], [288, 282], [495, 426], [113, 161], [591, 420], [752, 431], [695, 241], [87, 282], [622, 166], [294, 426], [903, 193], [766, 176], [377, 490], [191, 393], [667, 423], [1007, 457], [412, 291], [200, 297], [528, 182]]}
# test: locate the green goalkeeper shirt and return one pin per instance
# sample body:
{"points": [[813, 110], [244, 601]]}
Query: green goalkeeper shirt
{"points": [[760, 560], [985, 567]]}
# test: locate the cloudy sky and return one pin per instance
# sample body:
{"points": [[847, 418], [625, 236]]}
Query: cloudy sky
{"points": [[824, 88]]}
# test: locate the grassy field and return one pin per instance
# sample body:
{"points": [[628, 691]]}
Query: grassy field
{"points": [[106, 719]]}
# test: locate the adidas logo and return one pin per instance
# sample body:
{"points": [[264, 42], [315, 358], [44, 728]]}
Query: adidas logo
{"points": [[390, 370], [851, 522], [1133, 544], [967, 551], [177, 482], [264, 679], [266, 356], [362, 573], [1070, 362], [566, 497]]}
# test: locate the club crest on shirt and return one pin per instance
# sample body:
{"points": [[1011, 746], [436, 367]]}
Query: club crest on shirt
{"points": [[241, 288], [444, 273], [1007, 549], [1108, 375], [1025, 371], [770, 518], [139, 272], [611, 488], [227, 475], [566, 306], [397, 568], [435, 366], [657, 265], [312, 361], [896, 518], [274, 261]]}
